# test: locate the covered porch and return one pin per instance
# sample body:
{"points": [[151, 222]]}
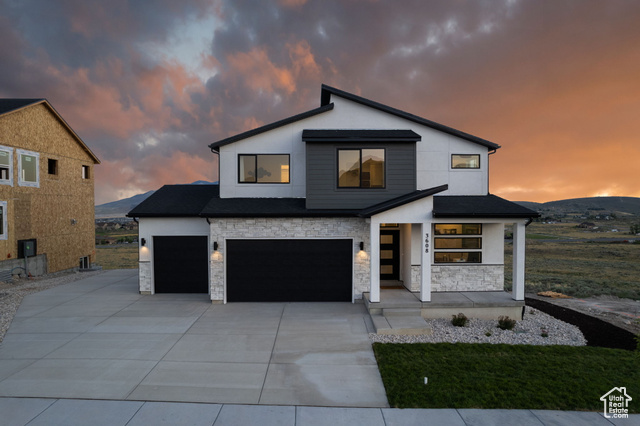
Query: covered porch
{"points": [[456, 261]]}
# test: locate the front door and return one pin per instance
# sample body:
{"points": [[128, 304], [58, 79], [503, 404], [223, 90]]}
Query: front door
{"points": [[390, 255]]}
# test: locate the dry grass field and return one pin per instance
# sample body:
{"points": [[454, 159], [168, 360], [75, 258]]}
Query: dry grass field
{"points": [[579, 268], [117, 256]]}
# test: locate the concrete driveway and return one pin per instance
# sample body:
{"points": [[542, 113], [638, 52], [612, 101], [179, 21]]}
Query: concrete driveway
{"points": [[97, 338]]}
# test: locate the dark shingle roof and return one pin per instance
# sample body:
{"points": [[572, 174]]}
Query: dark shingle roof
{"points": [[267, 207], [176, 201], [271, 126], [325, 99], [8, 105], [338, 135], [491, 206], [205, 201], [399, 201]]}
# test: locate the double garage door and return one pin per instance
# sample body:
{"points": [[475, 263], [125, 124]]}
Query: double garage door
{"points": [[271, 270]]}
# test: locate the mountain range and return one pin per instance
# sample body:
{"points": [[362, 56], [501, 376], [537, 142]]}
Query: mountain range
{"points": [[121, 207], [625, 205], [594, 205]]}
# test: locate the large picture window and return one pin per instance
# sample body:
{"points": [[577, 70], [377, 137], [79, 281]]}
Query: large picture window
{"points": [[457, 243], [28, 168], [6, 165], [465, 161], [361, 168], [263, 168]]}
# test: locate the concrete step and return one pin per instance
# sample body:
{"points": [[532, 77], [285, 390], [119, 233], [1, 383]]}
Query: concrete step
{"points": [[400, 325], [401, 312], [380, 323], [407, 325]]}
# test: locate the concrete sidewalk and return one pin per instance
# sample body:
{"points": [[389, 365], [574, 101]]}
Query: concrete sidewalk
{"points": [[71, 412]]}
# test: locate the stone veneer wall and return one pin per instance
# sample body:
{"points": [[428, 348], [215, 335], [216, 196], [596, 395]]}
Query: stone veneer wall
{"points": [[461, 278], [144, 277], [300, 228]]}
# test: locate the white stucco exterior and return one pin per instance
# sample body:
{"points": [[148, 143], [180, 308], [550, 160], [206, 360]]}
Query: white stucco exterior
{"points": [[433, 153]]}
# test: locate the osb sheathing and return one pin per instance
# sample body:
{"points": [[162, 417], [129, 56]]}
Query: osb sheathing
{"points": [[60, 213]]}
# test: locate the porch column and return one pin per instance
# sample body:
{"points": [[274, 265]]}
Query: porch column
{"points": [[425, 262], [374, 261], [518, 261]]}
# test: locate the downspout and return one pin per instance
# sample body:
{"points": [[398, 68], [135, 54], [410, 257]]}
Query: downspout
{"points": [[493, 151], [217, 152]]}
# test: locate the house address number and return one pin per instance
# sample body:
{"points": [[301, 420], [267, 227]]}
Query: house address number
{"points": [[426, 242]]}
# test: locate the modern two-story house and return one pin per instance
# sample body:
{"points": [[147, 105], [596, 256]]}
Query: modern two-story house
{"points": [[351, 200]]}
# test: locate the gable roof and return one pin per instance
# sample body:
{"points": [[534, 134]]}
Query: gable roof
{"points": [[488, 206], [326, 105], [401, 200], [11, 105], [176, 201], [328, 91], [271, 126]]}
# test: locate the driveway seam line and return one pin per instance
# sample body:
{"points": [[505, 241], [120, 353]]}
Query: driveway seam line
{"points": [[266, 373], [161, 359]]}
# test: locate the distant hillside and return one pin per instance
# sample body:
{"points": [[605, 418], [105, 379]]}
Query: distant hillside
{"points": [[121, 207], [594, 205]]}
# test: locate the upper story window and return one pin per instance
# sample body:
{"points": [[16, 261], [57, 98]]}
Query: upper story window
{"points": [[28, 169], [361, 168], [465, 161], [263, 168], [6, 165], [85, 172]]}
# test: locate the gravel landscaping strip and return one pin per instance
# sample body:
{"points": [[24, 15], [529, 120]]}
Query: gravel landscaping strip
{"points": [[529, 331], [11, 294]]}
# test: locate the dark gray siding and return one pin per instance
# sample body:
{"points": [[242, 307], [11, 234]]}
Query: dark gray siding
{"points": [[322, 188]]}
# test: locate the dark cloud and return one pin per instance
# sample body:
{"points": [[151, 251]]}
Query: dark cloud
{"points": [[548, 80]]}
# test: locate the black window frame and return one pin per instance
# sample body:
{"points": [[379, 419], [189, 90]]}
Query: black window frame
{"points": [[466, 168], [255, 165], [445, 234], [384, 184]]}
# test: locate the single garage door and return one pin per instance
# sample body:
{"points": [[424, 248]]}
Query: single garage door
{"points": [[289, 270], [180, 264]]}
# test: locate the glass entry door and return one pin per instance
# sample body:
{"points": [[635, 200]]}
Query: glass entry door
{"points": [[390, 255]]}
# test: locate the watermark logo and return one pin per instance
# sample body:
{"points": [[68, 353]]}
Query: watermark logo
{"points": [[616, 403]]}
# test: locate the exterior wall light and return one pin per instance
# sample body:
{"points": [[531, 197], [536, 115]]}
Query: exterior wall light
{"points": [[361, 245], [215, 246], [143, 242]]}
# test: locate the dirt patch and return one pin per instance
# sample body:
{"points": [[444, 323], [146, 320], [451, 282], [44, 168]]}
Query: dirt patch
{"points": [[597, 331]]}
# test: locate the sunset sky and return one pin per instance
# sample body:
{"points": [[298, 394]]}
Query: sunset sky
{"points": [[149, 84]]}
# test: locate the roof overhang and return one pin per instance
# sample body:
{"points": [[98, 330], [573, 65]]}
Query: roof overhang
{"points": [[216, 145], [328, 91], [479, 206], [359, 135], [402, 200]]}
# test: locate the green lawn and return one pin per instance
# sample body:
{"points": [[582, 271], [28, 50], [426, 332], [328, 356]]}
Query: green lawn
{"points": [[505, 376]]}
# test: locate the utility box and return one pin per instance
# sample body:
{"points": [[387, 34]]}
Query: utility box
{"points": [[27, 248]]}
